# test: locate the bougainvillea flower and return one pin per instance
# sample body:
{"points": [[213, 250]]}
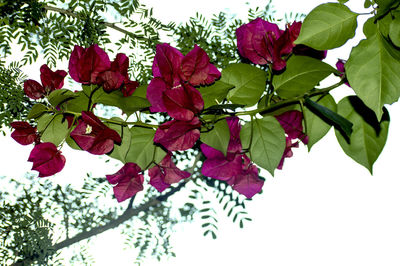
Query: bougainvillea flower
{"points": [[247, 182], [93, 136], [291, 122], [117, 76], [166, 173], [167, 63], [340, 66], [128, 181], [263, 42], [46, 159], [178, 135], [197, 69], [174, 75], [86, 64], [235, 168], [24, 133], [288, 151], [183, 102], [52, 80], [34, 89]]}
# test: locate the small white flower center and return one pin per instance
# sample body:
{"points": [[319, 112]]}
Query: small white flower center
{"points": [[88, 129]]}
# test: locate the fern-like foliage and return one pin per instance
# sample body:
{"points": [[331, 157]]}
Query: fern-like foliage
{"points": [[13, 102]]}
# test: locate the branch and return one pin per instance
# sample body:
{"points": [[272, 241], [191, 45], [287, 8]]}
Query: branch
{"points": [[128, 214], [108, 24]]}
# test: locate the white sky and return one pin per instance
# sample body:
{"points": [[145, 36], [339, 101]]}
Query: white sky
{"points": [[321, 209]]}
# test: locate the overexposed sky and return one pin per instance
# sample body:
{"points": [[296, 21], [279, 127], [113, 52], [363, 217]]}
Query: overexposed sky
{"points": [[321, 209]]}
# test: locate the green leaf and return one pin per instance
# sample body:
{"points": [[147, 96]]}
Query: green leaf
{"points": [[128, 105], [367, 3], [52, 128], [372, 71], [384, 6], [328, 26], [119, 152], [394, 31], [316, 126], [249, 82], [142, 149], [339, 122], [78, 104], [302, 74], [140, 91], [218, 137], [215, 93], [58, 97], [369, 135], [343, 1], [36, 111], [267, 143]]}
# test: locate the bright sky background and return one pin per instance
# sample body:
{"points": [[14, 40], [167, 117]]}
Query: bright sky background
{"points": [[321, 209]]}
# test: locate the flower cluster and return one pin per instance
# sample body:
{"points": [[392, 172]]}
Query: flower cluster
{"points": [[129, 180], [235, 168], [262, 42], [93, 66], [172, 91]]}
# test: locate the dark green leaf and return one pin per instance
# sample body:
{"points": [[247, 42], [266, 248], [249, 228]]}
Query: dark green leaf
{"points": [[119, 152], [142, 149], [372, 71], [52, 128], [316, 126], [218, 137], [328, 26], [394, 31], [267, 143], [249, 82], [339, 122], [302, 74], [215, 93], [36, 111], [58, 97], [369, 135]]}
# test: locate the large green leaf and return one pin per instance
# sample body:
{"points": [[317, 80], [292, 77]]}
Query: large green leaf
{"points": [[119, 152], [218, 137], [302, 74], [369, 136], [331, 117], [317, 126], [57, 97], [36, 111], [394, 31], [328, 26], [215, 93], [373, 72], [142, 150], [52, 128], [128, 105], [267, 143], [249, 82]]}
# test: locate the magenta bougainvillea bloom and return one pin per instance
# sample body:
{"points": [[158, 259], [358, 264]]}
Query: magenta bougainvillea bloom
{"points": [[24, 133], [46, 159], [263, 42], [178, 135], [197, 69], [50, 81], [340, 67], [128, 181], [166, 173], [86, 64], [93, 136], [117, 76], [291, 122], [171, 90], [235, 168]]}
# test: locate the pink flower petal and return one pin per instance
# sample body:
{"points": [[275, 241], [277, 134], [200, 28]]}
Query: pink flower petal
{"points": [[33, 89], [52, 80], [46, 159], [24, 133]]}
